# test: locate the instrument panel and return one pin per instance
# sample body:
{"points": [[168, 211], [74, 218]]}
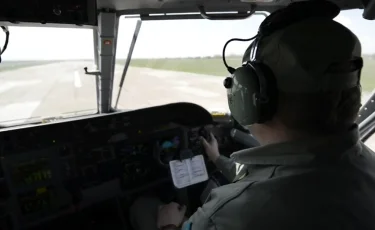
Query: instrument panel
{"points": [[75, 12], [50, 169]]}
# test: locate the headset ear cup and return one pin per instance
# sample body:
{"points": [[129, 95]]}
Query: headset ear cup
{"points": [[242, 96]]}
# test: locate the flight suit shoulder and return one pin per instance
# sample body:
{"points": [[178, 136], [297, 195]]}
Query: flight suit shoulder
{"points": [[224, 200], [201, 219], [222, 195]]}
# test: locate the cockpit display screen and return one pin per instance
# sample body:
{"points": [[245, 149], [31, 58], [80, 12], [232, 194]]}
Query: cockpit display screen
{"points": [[26, 173], [170, 144], [37, 200], [169, 148]]}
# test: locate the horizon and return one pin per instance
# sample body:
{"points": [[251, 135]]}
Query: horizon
{"points": [[151, 58]]}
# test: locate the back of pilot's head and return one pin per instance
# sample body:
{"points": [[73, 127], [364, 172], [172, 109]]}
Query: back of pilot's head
{"points": [[309, 99]]}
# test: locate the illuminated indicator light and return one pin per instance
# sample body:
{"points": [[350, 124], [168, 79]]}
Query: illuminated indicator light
{"points": [[107, 42], [139, 131], [54, 141], [217, 114], [41, 190]]}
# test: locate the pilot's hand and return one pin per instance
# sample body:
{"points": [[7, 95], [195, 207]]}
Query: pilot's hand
{"points": [[171, 214], [211, 148]]}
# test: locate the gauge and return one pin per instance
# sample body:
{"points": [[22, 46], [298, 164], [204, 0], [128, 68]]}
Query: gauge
{"points": [[168, 150], [135, 171], [123, 150], [143, 149]]}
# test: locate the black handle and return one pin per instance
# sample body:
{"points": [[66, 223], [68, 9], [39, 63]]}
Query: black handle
{"points": [[227, 16]]}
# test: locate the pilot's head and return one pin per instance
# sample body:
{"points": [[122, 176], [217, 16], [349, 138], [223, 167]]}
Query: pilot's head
{"points": [[317, 87]]}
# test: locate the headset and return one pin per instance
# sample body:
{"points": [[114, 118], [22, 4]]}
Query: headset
{"points": [[6, 31], [252, 88]]}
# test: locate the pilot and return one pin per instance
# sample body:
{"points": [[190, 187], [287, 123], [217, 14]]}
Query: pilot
{"points": [[299, 93]]}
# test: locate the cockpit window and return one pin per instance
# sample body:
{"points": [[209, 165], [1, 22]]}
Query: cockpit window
{"points": [[41, 74], [173, 60], [180, 60]]}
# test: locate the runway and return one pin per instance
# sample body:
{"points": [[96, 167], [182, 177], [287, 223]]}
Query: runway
{"points": [[63, 89], [60, 88]]}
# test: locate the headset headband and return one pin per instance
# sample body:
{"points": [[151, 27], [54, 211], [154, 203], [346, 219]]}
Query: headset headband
{"points": [[252, 89], [295, 12], [344, 75]]}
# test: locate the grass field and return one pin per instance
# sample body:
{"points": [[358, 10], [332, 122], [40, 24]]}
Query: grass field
{"points": [[210, 66], [214, 66], [12, 65]]}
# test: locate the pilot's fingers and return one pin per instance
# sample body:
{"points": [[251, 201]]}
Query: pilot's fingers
{"points": [[161, 206], [174, 206], [167, 208], [204, 142], [213, 139], [177, 207], [182, 209]]}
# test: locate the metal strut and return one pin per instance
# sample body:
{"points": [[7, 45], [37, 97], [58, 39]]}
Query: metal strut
{"points": [[107, 41], [128, 59]]}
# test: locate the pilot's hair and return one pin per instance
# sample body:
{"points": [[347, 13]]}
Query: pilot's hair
{"points": [[325, 112]]}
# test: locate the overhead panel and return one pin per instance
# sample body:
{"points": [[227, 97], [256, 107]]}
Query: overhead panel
{"points": [[71, 12], [191, 6]]}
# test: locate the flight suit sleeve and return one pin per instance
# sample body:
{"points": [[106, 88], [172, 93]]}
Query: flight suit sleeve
{"points": [[199, 221], [231, 170], [206, 218]]}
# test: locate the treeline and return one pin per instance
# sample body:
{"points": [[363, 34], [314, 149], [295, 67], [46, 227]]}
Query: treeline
{"points": [[371, 56], [184, 58]]}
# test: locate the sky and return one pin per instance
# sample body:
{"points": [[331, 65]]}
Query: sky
{"points": [[158, 39]]}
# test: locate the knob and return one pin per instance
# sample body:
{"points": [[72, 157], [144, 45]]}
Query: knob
{"points": [[228, 82], [57, 11]]}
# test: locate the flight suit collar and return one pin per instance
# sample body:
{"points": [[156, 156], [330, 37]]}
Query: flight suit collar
{"points": [[300, 152]]}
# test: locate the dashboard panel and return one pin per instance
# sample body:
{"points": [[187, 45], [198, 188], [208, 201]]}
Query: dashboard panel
{"points": [[74, 12], [49, 169]]}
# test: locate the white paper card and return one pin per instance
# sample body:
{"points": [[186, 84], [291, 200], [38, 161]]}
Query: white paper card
{"points": [[189, 171]]}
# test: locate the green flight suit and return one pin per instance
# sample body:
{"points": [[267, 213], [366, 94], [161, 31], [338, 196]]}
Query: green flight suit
{"points": [[325, 183]]}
